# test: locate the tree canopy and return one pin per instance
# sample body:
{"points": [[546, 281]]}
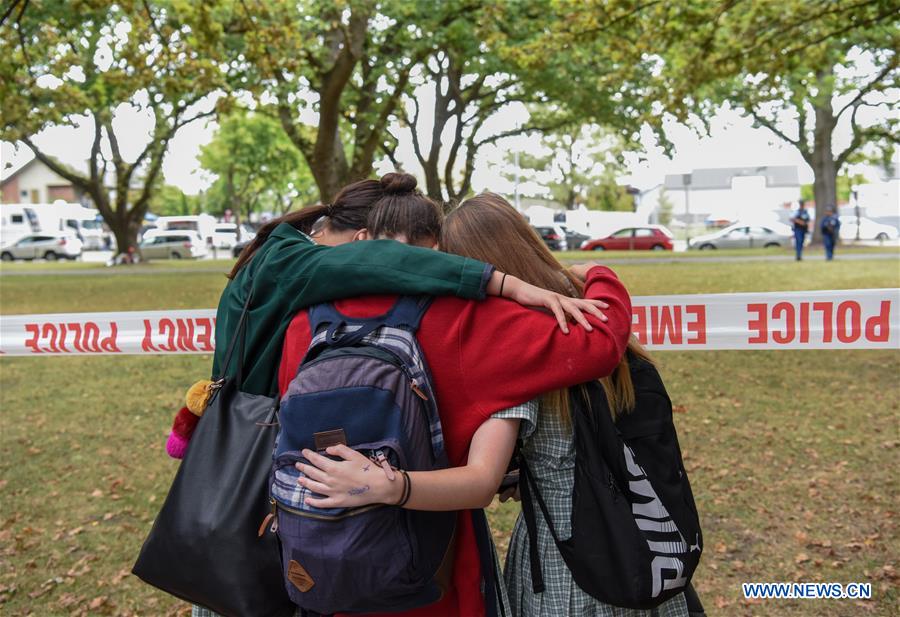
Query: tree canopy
{"points": [[257, 167], [103, 64], [577, 166], [816, 64]]}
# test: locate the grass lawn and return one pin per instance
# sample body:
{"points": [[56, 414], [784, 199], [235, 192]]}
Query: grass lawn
{"points": [[792, 455], [156, 264], [696, 254]]}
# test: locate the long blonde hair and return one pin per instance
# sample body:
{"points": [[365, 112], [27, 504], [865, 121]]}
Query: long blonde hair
{"points": [[487, 228]]}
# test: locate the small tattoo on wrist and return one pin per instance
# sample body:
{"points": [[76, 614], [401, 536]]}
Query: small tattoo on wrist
{"points": [[358, 491], [366, 468]]}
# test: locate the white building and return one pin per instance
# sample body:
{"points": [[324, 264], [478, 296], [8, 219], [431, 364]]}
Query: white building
{"points": [[732, 193]]}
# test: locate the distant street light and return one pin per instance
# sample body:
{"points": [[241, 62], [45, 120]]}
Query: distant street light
{"points": [[686, 183]]}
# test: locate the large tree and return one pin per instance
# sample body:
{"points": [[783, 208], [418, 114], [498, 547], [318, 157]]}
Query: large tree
{"points": [[99, 63], [801, 69], [256, 165], [332, 72], [469, 86], [809, 73], [577, 166]]}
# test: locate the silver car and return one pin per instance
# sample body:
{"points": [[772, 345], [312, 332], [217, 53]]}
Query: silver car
{"points": [[742, 236], [50, 246], [173, 245]]}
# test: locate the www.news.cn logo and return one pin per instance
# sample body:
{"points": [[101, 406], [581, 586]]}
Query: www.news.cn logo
{"points": [[799, 591]]}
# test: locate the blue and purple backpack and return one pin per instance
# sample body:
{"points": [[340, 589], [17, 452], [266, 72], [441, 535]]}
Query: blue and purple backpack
{"points": [[363, 382]]}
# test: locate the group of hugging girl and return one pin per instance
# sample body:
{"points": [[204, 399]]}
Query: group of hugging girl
{"points": [[509, 332]]}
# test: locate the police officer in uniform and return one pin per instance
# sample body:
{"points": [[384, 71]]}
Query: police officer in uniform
{"points": [[800, 222], [830, 228]]}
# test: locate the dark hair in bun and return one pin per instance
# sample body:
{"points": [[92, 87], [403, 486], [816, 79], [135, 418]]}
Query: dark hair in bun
{"points": [[349, 210], [398, 183], [405, 210]]}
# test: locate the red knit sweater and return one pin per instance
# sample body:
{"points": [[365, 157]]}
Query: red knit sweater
{"points": [[485, 357]]}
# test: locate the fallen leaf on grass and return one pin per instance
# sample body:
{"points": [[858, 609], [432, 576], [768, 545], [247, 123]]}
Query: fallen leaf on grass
{"points": [[67, 599], [120, 575], [801, 558], [889, 572]]}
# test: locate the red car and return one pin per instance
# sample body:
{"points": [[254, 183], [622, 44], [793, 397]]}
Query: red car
{"points": [[649, 238]]}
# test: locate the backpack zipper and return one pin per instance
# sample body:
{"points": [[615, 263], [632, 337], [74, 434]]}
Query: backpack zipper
{"points": [[413, 382]]}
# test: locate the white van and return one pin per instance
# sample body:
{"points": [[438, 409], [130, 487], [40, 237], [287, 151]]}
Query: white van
{"points": [[203, 224], [16, 222], [20, 220]]}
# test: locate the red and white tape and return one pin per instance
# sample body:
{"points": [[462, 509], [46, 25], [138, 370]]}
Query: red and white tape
{"points": [[839, 319]]}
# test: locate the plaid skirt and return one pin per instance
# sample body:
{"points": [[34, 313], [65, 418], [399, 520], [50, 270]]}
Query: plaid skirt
{"points": [[549, 449]]}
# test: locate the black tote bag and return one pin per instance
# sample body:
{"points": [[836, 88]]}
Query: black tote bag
{"points": [[204, 546]]}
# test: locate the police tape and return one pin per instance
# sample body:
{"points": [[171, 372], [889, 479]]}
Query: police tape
{"points": [[835, 319]]}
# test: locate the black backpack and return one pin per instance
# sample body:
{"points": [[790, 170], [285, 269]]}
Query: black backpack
{"points": [[636, 537]]}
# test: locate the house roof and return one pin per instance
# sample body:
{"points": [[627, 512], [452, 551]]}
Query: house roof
{"points": [[9, 175]]}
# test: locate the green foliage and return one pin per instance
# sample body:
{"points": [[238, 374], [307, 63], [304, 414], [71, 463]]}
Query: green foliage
{"points": [[844, 187], [172, 201], [258, 167], [577, 166], [333, 73], [816, 64], [665, 208]]}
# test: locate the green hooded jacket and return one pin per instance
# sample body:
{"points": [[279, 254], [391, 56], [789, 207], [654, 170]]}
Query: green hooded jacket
{"points": [[290, 272]]}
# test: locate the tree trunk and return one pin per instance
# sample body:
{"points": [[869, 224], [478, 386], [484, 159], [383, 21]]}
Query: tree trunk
{"points": [[330, 170], [433, 181], [126, 232], [824, 168]]}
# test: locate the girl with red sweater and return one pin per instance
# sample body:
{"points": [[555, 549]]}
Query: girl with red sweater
{"points": [[484, 357]]}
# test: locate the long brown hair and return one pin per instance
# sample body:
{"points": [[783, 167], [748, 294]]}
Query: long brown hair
{"points": [[349, 210], [487, 228]]}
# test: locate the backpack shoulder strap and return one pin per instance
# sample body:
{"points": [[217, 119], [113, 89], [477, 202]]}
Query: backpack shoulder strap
{"points": [[526, 484], [407, 312], [492, 597]]}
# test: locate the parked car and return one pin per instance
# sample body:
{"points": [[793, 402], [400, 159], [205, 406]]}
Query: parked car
{"points": [[643, 238], [574, 240], [225, 235], [553, 236], [50, 246], [868, 229], [239, 247], [742, 236], [173, 245], [713, 223]]}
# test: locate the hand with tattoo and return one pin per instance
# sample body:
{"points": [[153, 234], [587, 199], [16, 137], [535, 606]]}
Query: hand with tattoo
{"points": [[347, 482]]}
